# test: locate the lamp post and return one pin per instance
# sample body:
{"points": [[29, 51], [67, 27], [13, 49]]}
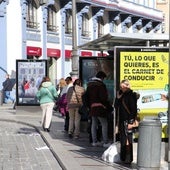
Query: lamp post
{"points": [[75, 63]]}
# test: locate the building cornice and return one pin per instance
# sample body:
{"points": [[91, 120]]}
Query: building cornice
{"points": [[128, 7]]}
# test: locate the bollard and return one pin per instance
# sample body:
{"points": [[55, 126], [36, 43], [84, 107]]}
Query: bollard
{"points": [[149, 145]]}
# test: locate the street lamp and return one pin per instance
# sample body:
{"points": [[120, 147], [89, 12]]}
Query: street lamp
{"points": [[75, 63]]}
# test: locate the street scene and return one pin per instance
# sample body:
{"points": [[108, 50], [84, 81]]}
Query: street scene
{"points": [[84, 85]]}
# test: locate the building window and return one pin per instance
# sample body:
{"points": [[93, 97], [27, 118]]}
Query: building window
{"points": [[100, 26], [31, 15], [51, 21], [68, 24], [85, 25]]}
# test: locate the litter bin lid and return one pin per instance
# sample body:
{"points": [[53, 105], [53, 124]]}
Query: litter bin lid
{"points": [[150, 122]]}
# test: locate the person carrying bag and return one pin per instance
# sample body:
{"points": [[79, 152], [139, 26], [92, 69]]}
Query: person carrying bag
{"points": [[126, 112], [74, 101], [46, 95]]}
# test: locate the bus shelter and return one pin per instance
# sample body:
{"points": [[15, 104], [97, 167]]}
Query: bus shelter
{"points": [[137, 43], [109, 41]]}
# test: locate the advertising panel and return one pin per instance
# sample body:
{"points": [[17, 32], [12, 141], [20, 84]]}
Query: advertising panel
{"points": [[29, 76], [147, 71], [89, 66]]}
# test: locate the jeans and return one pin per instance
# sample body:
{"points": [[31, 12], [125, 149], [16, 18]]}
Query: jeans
{"points": [[8, 97], [104, 124]]}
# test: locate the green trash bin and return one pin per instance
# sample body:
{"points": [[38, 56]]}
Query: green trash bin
{"points": [[149, 145]]}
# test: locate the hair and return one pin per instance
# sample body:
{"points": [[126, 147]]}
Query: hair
{"points": [[77, 82], [68, 79], [62, 82], [101, 75], [45, 79], [125, 83]]}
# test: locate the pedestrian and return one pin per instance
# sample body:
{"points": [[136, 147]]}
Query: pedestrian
{"points": [[62, 102], [125, 99], [62, 83], [7, 88], [46, 95], [98, 100], [74, 101], [59, 106]]}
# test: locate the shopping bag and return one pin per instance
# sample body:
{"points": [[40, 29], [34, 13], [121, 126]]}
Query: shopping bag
{"points": [[112, 154]]}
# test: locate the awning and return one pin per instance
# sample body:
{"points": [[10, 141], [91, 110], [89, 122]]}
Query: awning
{"points": [[109, 41], [86, 53], [34, 51], [68, 54], [102, 55], [53, 52]]}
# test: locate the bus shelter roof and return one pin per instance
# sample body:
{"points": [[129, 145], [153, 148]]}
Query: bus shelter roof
{"points": [[109, 41]]}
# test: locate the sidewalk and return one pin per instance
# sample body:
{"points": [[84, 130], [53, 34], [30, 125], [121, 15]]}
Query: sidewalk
{"points": [[72, 154]]}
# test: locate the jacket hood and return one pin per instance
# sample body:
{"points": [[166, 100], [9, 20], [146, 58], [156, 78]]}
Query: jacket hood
{"points": [[95, 79], [46, 84]]}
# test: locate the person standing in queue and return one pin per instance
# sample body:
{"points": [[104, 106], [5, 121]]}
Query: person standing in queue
{"points": [[74, 101], [126, 111], [46, 95], [98, 100], [62, 102]]}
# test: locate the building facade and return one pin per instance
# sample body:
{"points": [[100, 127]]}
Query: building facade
{"points": [[42, 29]]}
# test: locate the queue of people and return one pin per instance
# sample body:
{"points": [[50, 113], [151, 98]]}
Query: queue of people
{"points": [[71, 99]]}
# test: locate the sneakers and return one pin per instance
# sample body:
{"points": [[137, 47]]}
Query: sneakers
{"points": [[106, 145], [96, 144]]}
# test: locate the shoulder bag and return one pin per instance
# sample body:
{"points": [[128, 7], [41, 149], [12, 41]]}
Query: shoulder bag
{"points": [[83, 110], [135, 121]]}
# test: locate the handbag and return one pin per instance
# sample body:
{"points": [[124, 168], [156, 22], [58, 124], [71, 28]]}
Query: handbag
{"points": [[134, 122], [83, 110]]}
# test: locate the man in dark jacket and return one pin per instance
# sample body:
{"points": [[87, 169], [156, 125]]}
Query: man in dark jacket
{"points": [[98, 97], [7, 87]]}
